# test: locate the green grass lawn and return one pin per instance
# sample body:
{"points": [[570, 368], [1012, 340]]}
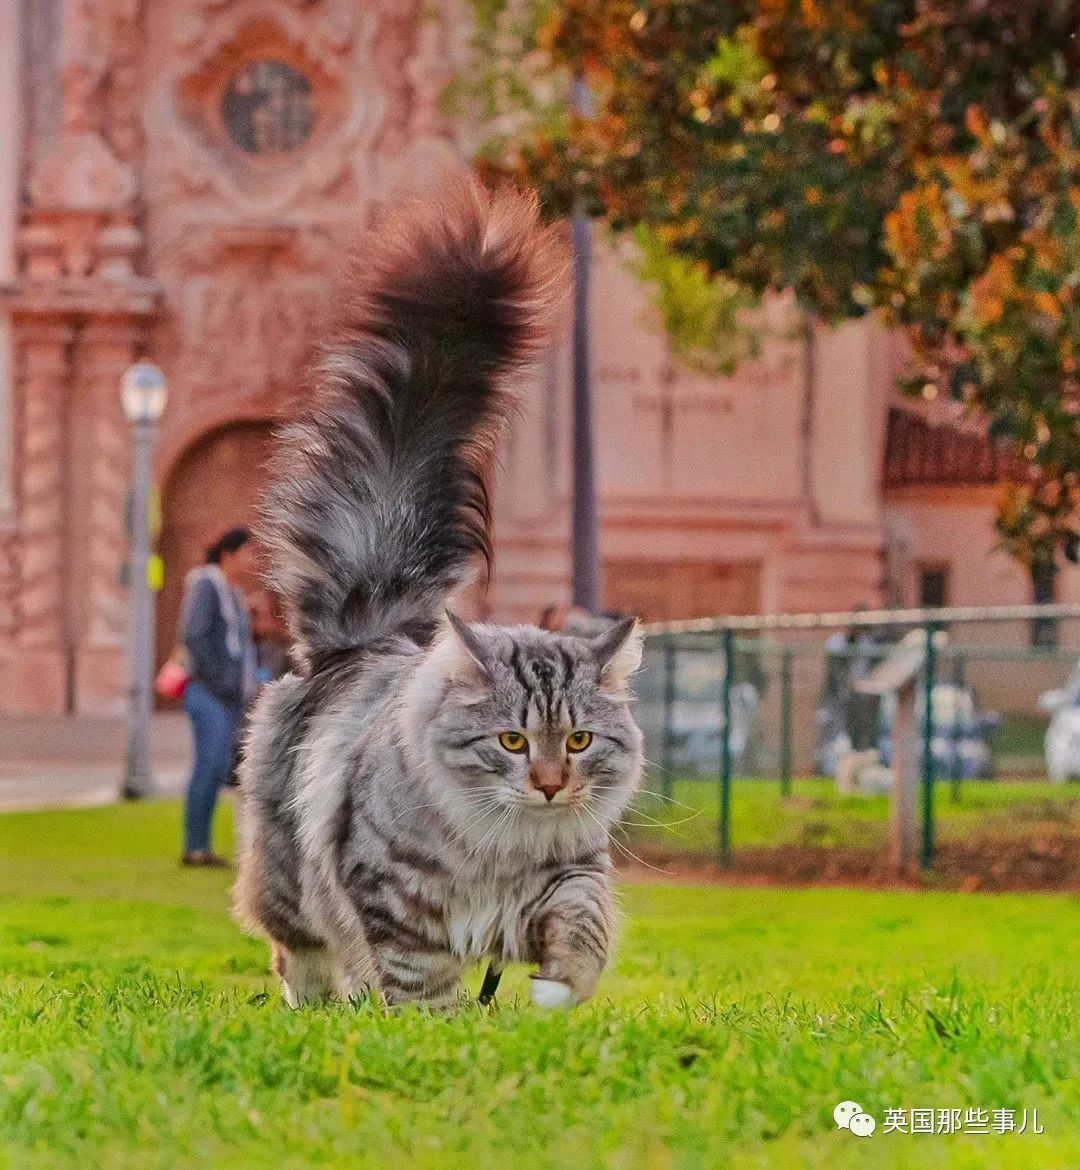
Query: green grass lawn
{"points": [[814, 814], [138, 1027], [1020, 736]]}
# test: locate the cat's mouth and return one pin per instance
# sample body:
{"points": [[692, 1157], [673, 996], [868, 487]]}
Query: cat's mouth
{"points": [[565, 797]]}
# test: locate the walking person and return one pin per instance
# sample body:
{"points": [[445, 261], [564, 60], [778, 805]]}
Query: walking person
{"points": [[216, 631]]}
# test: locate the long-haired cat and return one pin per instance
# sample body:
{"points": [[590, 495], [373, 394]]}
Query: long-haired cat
{"points": [[422, 793]]}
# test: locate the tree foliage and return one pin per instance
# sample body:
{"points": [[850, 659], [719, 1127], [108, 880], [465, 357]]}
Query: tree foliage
{"points": [[705, 313], [918, 158]]}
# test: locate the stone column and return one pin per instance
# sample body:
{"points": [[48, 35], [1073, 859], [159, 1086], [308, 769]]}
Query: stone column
{"points": [[10, 124], [101, 457], [35, 677]]}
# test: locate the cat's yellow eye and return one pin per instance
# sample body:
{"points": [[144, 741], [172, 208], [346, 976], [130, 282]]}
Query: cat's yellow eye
{"points": [[578, 741], [514, 742]]}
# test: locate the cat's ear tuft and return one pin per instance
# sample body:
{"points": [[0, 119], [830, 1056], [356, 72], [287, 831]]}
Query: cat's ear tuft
{"points": [[476, 651], [618, 653]]}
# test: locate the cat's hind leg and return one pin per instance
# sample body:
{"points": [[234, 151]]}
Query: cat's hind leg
{"points": [[307, 976], [355, 972]]}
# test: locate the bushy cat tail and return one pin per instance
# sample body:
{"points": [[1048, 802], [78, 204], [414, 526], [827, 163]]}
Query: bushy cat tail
{"points": [[378, 504]]}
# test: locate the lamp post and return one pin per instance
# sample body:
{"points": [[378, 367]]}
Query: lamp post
{"points": [[143, 391]]}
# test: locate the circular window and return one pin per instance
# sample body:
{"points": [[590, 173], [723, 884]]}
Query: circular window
{"points": [[267, 108]]}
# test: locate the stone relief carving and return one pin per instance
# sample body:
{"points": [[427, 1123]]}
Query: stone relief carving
{"points": [[394, 45], [248, 331], [121, 120], [239, 238], [82, 175], [219, 46], [376, 73], [80, 221], [79, 310], [41, 380], [247, 281], [103, 351], [245, 307], [82, 172], [430, 71], [9, 584]]}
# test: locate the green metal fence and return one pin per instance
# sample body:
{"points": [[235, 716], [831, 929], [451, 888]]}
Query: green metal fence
{"points": [[699, 676]]}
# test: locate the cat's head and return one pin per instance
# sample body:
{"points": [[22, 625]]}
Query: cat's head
{"points": [[536, 722]]}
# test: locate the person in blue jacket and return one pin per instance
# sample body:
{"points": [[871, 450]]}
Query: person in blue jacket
{"points": [[216, 631]]}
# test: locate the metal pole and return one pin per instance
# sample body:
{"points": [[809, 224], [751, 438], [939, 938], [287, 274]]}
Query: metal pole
{"points": [[138, 770], [585, 538], [724, 839], [808, 334], [667, 778], [785, 721], [927, 858], [957, 760]]}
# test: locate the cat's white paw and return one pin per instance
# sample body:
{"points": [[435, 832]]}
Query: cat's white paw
{"points": [[550, 993]]}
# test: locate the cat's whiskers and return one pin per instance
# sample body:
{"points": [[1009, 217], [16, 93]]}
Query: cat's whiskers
{"points": [[624, 850], [656, 767], [491, 840], [452, 802], [478, 849], [474, 854], [650, 821], [648, 792], [463, 832]]}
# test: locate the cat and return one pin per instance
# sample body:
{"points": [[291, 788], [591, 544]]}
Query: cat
{"points": [[421, 792]]}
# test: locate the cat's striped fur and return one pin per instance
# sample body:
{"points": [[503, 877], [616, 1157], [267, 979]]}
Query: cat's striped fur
{"points": [[388, 835]]}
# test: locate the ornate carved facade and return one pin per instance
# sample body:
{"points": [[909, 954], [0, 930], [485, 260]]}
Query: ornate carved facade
{"points": [[176, 179], [186, 171]]}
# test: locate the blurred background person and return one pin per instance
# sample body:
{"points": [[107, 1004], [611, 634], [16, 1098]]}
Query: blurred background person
{"points": [[215, 629], [570, 619], [271, 636], [552, 617]]}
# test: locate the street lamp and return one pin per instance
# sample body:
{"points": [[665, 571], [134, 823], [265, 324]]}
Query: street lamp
{"points": [[143, 391]]}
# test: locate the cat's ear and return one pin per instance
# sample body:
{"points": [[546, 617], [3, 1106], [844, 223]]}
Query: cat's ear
{"points": [[618, 653], [475, 649]]}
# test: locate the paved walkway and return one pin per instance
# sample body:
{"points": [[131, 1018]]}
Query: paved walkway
{"points": [[69, 762]]}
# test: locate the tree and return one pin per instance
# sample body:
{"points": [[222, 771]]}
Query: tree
{"points": [[914, 157], [983, 265]]}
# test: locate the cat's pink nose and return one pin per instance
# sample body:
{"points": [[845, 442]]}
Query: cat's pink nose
{"points": [[547, 780]]}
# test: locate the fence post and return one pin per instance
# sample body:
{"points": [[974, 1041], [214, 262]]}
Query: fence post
{"points": [[724, 839], [785, 721], [667, 777], [930, 669], [956, 758]]}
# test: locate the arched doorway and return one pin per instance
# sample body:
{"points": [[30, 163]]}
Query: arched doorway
{"points": [[216, 484]]}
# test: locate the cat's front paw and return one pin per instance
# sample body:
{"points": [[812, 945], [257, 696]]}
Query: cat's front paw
{"points": [[550, 993]]}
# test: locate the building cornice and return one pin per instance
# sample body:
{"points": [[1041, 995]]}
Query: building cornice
{"points": [[82, 299]]}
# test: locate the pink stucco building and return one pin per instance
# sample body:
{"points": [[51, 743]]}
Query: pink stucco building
{"points": [[175, 179]]}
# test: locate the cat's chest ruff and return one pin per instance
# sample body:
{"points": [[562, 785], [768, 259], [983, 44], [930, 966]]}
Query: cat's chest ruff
{"points": [[482, 921]]}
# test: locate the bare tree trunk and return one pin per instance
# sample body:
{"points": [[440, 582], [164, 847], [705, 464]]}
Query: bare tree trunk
{"points": [[585, 536]]}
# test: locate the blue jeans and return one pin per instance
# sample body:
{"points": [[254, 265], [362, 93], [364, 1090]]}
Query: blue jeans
{"points": [[216, 728]]}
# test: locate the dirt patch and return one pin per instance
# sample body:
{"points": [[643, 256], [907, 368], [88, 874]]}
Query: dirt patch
{"points": [[1048, 861]]}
